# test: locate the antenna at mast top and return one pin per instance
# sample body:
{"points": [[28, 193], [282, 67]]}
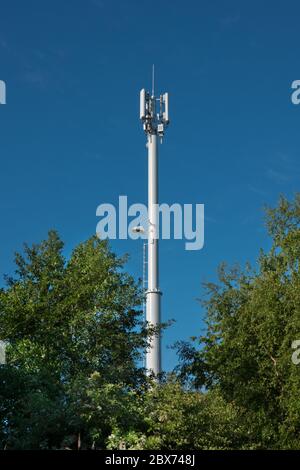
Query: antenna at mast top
{"points": [[153, 79], [154, 112]]}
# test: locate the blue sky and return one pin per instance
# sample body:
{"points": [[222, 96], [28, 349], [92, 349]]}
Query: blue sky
{"points": [[71, 137]]}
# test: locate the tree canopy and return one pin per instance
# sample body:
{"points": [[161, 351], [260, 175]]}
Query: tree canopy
{"points": [[253, 317], [67, 323], [75, 338]]}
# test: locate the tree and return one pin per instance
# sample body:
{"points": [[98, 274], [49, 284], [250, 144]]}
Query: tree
{"points": [[253, 316], [65, 321], [75, 336], [175, 418]]}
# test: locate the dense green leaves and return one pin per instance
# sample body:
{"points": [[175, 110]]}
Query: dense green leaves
{"points": [[175, 418], [64, 322], [252, 320], [75, 336]]}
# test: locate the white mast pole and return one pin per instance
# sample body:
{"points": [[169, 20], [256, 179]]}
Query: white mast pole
{"points": [[153, 355]]}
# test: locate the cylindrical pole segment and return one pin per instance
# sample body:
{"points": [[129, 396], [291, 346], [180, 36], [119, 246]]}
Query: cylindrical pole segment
{"points": [[153, 355]]}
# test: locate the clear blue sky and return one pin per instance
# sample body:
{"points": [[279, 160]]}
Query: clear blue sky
{"points": [[70, 137]]}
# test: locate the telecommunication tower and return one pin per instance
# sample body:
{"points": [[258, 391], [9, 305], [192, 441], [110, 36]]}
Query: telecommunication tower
{"points": [[154, 114]]}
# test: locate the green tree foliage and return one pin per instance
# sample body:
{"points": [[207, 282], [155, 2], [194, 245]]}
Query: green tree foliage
{"points": [[252, 319], [75, 337], [67, 323], [171, 417]]}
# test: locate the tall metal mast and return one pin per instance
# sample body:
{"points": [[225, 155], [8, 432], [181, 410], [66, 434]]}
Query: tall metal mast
{"points": [[154, 114]]}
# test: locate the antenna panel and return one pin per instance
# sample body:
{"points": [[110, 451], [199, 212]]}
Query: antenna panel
{"points": [[166, 101], [143, 104]]}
